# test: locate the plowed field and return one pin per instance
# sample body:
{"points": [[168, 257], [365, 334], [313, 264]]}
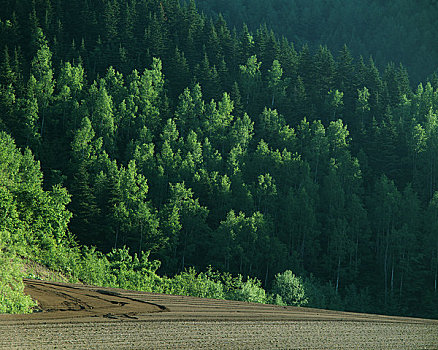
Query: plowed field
{"points": [[75, 316]]}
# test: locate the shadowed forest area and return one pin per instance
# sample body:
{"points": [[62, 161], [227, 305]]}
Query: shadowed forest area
{"points": [[389, 31], [149, 126]]}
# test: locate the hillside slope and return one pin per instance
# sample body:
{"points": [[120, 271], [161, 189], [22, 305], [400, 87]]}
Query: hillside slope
{"points": [[144, 126]]}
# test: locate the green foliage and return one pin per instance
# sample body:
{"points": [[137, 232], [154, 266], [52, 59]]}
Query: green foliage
{"points": [[290, 288], [319, 22], [165, 131], [33, 223], [130, 272], [250, 291], [358, 300], [322, 295], [117, 268], [189, 282], [12, 297], [94, 268], [212, 284], [121, 270]]}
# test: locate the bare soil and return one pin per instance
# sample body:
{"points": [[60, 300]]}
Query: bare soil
{"points": [[74, 316]]}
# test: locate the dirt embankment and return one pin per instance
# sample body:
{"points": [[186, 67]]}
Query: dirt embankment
{"points": [[60, 301], [74, 316]]}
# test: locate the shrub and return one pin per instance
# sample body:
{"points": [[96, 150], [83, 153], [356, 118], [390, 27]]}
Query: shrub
{"points": [[290, 288], [94, 268], [12, 297], [191, 283], [250, 291], [130, 272], [275, 299]]}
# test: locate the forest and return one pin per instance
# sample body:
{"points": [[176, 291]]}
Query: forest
{"points": [[148, 126], [398, 31]]}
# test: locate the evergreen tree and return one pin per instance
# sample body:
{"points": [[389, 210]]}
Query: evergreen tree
{"points": [[42, 74]]}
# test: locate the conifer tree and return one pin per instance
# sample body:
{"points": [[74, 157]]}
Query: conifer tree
{"points": [[42, 74]]}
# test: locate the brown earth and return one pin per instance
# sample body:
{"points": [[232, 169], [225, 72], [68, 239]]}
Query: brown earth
{"points": [[74, 316]]}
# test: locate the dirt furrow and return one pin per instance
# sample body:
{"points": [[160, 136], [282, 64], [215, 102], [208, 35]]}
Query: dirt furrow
{"points": [[86, 317], [221, 335]]}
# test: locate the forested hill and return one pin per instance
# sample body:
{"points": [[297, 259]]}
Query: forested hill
{"points": [[210, 146], [398, 31]]}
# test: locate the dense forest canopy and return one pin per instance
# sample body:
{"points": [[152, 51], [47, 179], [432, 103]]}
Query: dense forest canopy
{"points": [[206, 145], [398, 31]]}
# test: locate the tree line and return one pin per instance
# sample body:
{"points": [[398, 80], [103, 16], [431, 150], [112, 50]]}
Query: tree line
{"points": [[205, 145]]}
